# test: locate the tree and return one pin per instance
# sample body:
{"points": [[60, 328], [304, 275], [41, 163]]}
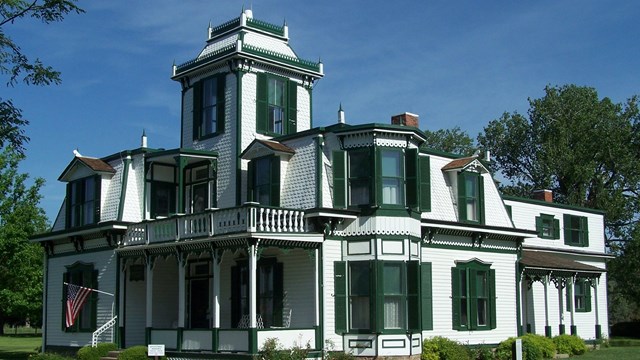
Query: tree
{"points": [[450, 140], [20, 214], [586, 150]]}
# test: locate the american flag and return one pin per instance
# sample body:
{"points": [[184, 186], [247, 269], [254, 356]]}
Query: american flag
{"points": [[76, 297]]}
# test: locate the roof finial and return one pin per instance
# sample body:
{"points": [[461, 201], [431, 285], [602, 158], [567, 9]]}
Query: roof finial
{"points": [[76, 153], [341, 119], [143, 139]]}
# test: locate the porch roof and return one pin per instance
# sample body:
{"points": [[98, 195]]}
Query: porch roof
{"points": [[540, 260]]}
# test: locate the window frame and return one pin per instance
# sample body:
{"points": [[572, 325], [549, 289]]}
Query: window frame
{"points": [[200, 106], [81, 274], [465, 297], [550, 223], [264, 105], [273, 177], [400, 178], [581, 231], [191, 182], [78, 203], [477, 198], [582, 295]]}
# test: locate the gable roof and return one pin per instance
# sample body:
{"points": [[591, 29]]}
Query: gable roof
{"points": [[464, 163], [259, 148], [95, 165]]}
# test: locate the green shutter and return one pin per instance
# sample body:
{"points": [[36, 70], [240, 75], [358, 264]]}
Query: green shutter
{"points": [[274, 196], [278, 294], [425, 183], [376, 184], [566, 220], [587, 296], [251, 181], [492, 299], [539, 225], [462, 198], [455, 297], [292, 107], [411, 171], [376, 295], [340, 298], [96, 198], [569, 295], [556, 228], [197, 109], [65, 279], [584, 228], [220, 103], [481, 198], [262, 103], [413, 293], [472, 299], [339, 180], [93, 299], [426, 296]]}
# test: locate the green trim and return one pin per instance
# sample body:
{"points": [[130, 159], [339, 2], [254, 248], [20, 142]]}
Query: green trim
{"points": [[518, 288], [182, 152], [429, 151], [116, 302], [225, 27], [282, 58], [470, 248], [239, 75], [319, 166], [123, 187], [546, 221], [320, 327], [197, 62], [45, 308], [265, 26], [215, 339], [182, 164], [553, 205]]}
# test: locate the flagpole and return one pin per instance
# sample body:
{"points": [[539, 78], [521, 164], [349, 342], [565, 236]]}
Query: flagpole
{"points": [[96, 290]]}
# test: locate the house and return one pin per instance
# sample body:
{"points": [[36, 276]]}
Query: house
{"points": [[350, 237]]}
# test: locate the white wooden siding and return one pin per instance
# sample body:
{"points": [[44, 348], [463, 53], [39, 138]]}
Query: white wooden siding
{"points": [[331, 251]]}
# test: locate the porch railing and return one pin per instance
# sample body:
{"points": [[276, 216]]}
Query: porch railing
{"points": [[108, 325], [247, 218]]}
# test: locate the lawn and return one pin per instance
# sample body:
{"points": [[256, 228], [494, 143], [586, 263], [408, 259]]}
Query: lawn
{"points": [[612, 353], [19, 346]]}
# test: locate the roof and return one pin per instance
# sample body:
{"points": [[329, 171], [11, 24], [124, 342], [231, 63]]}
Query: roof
{"points": [[460, 163], [93, 164], [549, 261], [259, 148]]}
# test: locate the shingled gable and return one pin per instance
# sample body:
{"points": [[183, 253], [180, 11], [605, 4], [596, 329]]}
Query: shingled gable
{"points": [[465, 163], [547, 261], [94, 165], [259, 148]]}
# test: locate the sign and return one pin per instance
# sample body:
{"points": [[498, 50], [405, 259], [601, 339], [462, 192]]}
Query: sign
{"points": [[155, 350]]}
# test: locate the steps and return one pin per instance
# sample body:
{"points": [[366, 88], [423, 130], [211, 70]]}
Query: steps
{"points": [[112, 355]]}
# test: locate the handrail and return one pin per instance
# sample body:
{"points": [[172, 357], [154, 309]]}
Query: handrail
{"points": [[101, 329]]}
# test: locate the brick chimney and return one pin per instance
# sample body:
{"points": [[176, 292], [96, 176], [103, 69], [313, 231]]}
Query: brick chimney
{"points": [[543, 195], [406, 119]]}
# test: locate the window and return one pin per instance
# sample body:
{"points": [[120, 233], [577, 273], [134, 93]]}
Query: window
{"points": [[473, 296], [81, 274], [382, 296], [264, 180], [471, 197], [162, 190], [269, 291], [402, 178], [581, 297], [576, 230], [547, 227], [198, 282], [208, 107], [200, 191], [276, 102], [83, 199]]}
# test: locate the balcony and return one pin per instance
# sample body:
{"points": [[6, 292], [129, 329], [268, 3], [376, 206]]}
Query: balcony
{"points": [[249, 218]]}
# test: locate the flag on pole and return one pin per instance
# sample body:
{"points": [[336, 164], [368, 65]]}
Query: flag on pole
{"points": [[76, 297]]}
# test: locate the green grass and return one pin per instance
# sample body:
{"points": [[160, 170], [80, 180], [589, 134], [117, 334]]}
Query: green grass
{"points": [[19, 346], [611, 353]]}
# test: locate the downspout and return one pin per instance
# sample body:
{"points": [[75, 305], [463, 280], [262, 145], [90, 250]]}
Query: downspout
{"points": [[123, 187], [319, 165]]}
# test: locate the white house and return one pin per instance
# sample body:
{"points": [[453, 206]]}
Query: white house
{"points": [[260, 225]]}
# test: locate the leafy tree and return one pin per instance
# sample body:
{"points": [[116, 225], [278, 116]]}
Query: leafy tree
{"points": [[20, 214], [450, 140], [586, 149]]}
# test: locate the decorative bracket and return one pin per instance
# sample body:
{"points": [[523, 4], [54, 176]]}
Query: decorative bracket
{"points": [[477, 239]]}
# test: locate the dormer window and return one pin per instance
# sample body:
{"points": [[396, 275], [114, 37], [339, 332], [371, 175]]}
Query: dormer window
{"points": [[276, 105], [471, 197], [83, 196]]}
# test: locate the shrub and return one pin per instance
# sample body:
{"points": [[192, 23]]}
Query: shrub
{"points": [[48, 356], [546, 345], [95, 353], [482, 352], [135, 353], [440, 348], [531, 350], [272, 350], [570, 344], [331, 354]]}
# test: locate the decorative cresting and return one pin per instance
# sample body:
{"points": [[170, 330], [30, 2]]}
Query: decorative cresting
{"points": [[250, 218], [379, 225], [377, 137]]}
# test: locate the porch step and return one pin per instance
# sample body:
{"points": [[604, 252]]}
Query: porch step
{"points": [[112, 355]]}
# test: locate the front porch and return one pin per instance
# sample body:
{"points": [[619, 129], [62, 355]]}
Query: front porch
{"points": [[223, 281]]}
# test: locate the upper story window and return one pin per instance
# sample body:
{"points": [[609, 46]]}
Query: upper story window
{"points": [[386, 177], [200, 189], [208, 107], [276, 102], [471, 197], [473, 296], [576, 230], [264, 180], [83, 199], [162, 190], [547, 226]]}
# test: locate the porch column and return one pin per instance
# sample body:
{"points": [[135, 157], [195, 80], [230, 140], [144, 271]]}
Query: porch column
{"points": [[182, 264], [215, 300], [121, 304], [547, 328], [595, 296], [574, 330], [561, 308], [253, 262], [318, 277], [149, 298]]}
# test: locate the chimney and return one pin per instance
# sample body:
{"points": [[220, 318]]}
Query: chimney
{"points": [[543, 195], [406, 119]]}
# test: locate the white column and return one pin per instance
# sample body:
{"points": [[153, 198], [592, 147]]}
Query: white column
{"points": [[215, 293], [182, 263], [595, 296], [546, 302], [252, 285], [317, 286], [121, 288], [149, 292], [573, 303]]}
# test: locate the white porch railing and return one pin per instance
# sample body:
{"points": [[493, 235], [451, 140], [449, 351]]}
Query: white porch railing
{"points": [[109, 324], [248, 218]]}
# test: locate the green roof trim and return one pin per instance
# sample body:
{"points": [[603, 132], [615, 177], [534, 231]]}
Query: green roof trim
{"points": [[225, 27], [555, 205], [305, 64], [265, 26], [191, 64]]}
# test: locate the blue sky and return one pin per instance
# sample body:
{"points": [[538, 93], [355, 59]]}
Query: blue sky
{"points": [[454, 63]]}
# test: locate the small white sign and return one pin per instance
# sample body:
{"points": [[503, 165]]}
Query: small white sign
{"points": [[155, 350]]}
